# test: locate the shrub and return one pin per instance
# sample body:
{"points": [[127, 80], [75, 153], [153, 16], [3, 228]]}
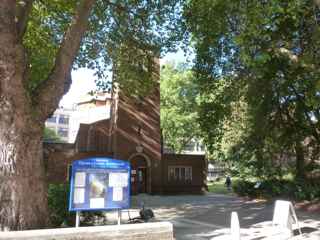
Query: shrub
{"points": [[245, 188], [58, 199], [299, 190]]}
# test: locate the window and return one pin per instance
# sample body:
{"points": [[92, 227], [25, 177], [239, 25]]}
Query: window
{"points": [[63, 132], [53, 119], [63, 119], [180, 173], [190, 147]]}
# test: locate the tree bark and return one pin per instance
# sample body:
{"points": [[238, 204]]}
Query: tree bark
{"points": [[23, 189], [22, 14], [23, 198]]}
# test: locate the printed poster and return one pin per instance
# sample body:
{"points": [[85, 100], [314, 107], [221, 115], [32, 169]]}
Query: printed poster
{"points": [[80, 179], [118, 179], [117, 194], [78, 196], [96, 202]]}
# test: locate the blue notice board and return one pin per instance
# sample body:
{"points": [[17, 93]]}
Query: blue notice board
{"points": [[99, 184]]}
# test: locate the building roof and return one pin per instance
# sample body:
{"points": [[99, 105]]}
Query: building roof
{"points": [[99, 96]]}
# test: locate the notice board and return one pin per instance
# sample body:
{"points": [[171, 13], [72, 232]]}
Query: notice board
{"points": [[99, 184]]}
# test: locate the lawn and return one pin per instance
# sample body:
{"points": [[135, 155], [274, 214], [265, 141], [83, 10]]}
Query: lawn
{"points": [[219, 187]]}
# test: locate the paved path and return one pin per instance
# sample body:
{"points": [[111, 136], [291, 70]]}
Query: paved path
{"points": [[198, 216]]}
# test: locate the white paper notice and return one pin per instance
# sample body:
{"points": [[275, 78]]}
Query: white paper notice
{"points": [[96, 202], [118, 179], [78, 195], [80, 179], [117, 194]]}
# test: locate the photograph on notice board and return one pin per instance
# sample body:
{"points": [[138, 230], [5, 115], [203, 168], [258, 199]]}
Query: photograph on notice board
{"points": [[98, 186], [98, 182]]}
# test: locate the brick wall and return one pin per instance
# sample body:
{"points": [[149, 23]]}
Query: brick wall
{"points": [[59, 156], [198, 164]]}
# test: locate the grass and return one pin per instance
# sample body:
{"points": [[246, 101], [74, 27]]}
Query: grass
{"points": [[219, 187]]}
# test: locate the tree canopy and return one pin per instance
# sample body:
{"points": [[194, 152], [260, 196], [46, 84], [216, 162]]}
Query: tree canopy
{"points": [[128, 32], [41, 41], [179, 105], [49, 135], [257, 66]]}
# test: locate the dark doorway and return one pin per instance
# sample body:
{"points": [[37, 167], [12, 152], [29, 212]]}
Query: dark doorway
{"points": [[141, 180], [138, 175]]}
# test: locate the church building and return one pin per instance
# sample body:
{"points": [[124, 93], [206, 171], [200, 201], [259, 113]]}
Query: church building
{"points": [[132, 133]]}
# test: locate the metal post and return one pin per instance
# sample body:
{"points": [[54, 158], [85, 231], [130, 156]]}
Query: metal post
{"points": [[119, 216], [77, 219]]}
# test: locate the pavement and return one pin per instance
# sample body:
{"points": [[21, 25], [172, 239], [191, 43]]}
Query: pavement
{"points": [[203, 216]]}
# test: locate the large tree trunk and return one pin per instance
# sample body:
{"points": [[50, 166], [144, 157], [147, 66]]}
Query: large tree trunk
{"points": [[23, 195], [23, 190]]}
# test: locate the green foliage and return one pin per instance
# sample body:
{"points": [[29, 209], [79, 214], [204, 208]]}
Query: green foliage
{"points": [[298, 190], [259, 76], [115, 29], [50, 135], [46, 26], [58, 202], [58, 198], [179, 104], [136, 71], [219, 187]]}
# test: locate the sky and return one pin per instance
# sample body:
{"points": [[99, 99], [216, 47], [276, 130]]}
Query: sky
{"points": [[83, 80]]}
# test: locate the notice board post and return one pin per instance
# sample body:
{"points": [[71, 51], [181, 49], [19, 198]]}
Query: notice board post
{"points": [[99, 184]]}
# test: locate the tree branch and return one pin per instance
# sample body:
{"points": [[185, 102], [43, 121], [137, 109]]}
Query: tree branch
{"points": [[49, 93], [22, 14]]}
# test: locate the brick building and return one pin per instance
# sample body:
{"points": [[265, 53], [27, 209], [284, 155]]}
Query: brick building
{"points": [[131, 133]]}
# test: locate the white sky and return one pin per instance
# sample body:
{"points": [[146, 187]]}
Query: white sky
{"points": [[83, 80]]}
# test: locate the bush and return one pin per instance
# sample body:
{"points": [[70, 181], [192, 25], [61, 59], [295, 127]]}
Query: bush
{"points": [[58, 200], [245, 188], [298, 190]]}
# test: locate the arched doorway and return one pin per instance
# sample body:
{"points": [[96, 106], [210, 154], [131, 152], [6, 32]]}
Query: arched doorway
{"points": [[140, 174]]}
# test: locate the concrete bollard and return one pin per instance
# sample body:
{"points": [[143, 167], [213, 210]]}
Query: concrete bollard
{"points": [[235, 226]]}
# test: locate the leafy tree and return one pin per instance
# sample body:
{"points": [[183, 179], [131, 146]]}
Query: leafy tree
{"points": [[51, 136], [264, 54], [179, 118], [40, 43]]}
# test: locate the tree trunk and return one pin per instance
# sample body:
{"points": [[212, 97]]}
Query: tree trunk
{"points": [[23, 193], [300, 168], [23, 190]]}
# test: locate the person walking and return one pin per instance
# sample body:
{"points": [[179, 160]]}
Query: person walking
{"points": [[228, 183]]}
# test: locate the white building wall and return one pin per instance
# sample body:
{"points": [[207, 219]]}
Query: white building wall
{"points": [[60, 123], [68, 130], [87, 116]]}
